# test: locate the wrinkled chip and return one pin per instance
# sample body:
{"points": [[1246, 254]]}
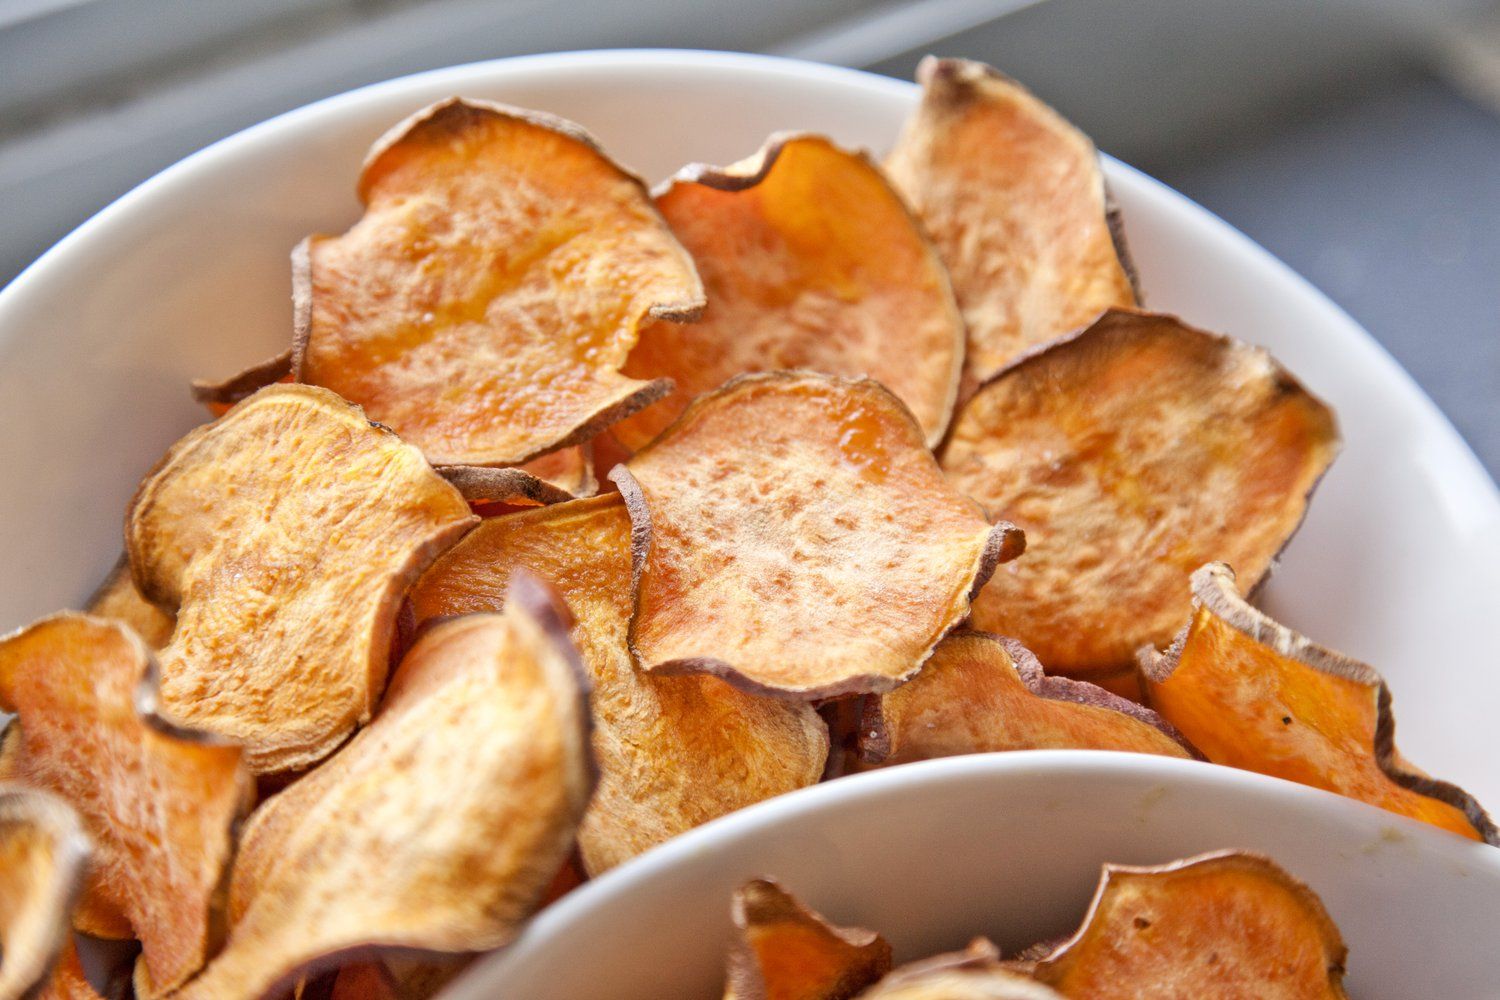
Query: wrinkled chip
{"points": [[285, 533], [118, 598], [553, 478], [1219, 925], [1251, 693], [43, 856], [439, 827], [793, 534], [1015, 202], [1131, 454], [976, 973], [67, 981], [979, 693], [784, 951], [159, 802], [810, 260], [673, 752], [484, 305]]}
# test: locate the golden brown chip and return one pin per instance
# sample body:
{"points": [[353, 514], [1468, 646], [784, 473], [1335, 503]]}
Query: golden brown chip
{"points": [[442, 823], [160, 803], [554, 478], [794, 535], [1131, 454], [785, 951], [1253, 694], [1015, 202], [1223, 926], [285, 533], [484, 305], [979, 693], [673, 752], [810, 260], [118, 598], [976, 973], [43, 856]]}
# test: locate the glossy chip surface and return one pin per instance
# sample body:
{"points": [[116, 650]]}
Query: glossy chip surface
{"points": [[44, 853], [785, 951]]}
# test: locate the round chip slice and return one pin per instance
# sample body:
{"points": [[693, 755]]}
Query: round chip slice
{"points": [[43, 856], [812, 261], [786, 951], [794, 535]]}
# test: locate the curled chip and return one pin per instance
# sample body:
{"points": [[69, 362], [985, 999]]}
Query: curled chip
{"points": [[285, 534], [1219, 925], [484, 304], [118, 598], [1131, 454], [1251, 693], [976, 973], [438, 828], [785, 951], [810, 260], [220, 397], [979, 693], [793, 534], [1015, 202], [553, 478], [673, 752], [160, 803], [43, 855]]}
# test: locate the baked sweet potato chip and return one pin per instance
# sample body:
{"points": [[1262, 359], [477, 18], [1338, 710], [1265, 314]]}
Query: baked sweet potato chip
{"points": [[43, 856], [285, 534], [117, 598], [556, 477], [1131, 454], [673, 752], [979, 693], [810, 260], [976, 973], [160, 803], [785, 951], [442, 823], [484, 304], [1015, 202], [794, 535], [1223, 926], [1253, 694]]}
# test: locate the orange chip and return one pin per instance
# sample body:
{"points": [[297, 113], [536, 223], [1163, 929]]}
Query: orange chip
{"points": [[787, 952], [793, 534], [43, 856], [484, 305], [1224, 925], [979, 693], [1015, 202], [554, 478], [810, 260], [673, 752], [439, 827], [1132, 453], [285, 533], [975, 973], [118, 598], [1252, 694], [159, 802]]}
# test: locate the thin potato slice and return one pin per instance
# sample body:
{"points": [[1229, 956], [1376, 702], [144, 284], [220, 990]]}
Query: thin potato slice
{"points": [[556, 477], [1015, 202], [1223, 926], [220, 397], [673, 752], [439, 827], [43, 856], [1252, 694], [785, 951], [484, 305], [810, 260], [979, 693], [117, 598], [1131, 454], [794, 535], [160, 803], [285, 534]]}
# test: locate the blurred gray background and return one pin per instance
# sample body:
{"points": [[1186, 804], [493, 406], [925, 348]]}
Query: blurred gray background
{"points": [[1358, 140]]}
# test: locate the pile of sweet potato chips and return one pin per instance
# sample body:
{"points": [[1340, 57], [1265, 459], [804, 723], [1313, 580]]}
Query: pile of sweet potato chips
{"points": [[576, 515]]}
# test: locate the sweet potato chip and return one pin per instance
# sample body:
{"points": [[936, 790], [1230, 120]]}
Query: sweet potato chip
{"points": [[220, 397], [976, 973], [793, 534], [554, 478], [285, 533], [810, 260], [43, 856], [484, 305], [1223, 926], [1131, 454], [787, 952], [1251, 693], [1015, 202], [117, 598], [673, 752], [439, 827], [160, 803], [979, 693]]}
